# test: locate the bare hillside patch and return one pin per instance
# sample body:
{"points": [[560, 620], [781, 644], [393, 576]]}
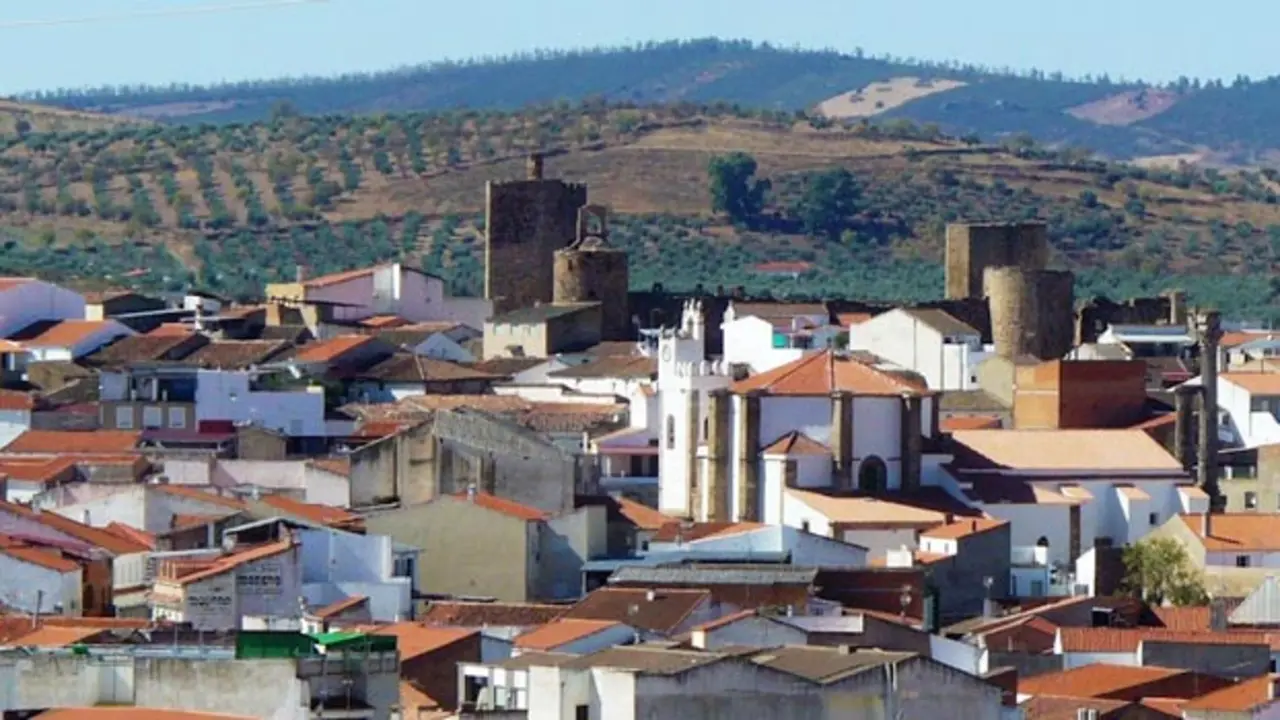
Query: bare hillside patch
{"points": [[881, 97], [1125, 108]]}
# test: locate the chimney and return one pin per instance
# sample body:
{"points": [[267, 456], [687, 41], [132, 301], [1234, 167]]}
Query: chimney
{"points": [[533, 166], [300, 273], [1209, 330], [1184, 398]]}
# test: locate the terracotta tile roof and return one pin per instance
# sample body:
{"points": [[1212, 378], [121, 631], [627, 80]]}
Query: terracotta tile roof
{"points": [[1058, 707], [380, 428], [384, 321], [49, 559], [170, 329], [612, 366], [337, 466], [1097, 680], [133, 713], [720, 622], [964, 528], [1165, 707], [1156, 422], [1091, 639], [224, 563], [139, 348], [826, 372], [341, 277], [1028, 635], [1122, 449], [311, 512], [1240, 337], [406, 367], [417, 705], [479, 614], [507, 507], [38, 469], [970, 422], [82, 442], [849, 319], [1229, 532], [664, 614], [1197, 617], [341, 606], [1255, 383], [81, 532], [868, 511], [641, 515], [235, 354], [414, 639], [191, 493], [55, 637], [796, 443], [1244, 696], [690, 532], [16, 400], [324, 351], [507, 367], [561, 632], [69, 332], [142, 537]]}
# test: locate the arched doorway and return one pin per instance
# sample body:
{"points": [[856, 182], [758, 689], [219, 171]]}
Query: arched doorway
{"points": [[873, 475]]}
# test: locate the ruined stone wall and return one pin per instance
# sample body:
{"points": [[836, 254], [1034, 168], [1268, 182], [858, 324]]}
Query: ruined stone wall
{"points": [[972, 248], [1031, 311], [526, 221]]}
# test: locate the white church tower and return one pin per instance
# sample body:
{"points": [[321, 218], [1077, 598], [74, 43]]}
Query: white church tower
{"points": [[684, 379]]}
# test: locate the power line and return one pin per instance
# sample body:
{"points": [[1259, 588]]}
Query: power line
{"points": [[167, 12]]}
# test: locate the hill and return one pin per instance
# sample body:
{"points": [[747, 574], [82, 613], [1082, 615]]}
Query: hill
{"points": [[229, 208], [21, 118], [1123, 120]]}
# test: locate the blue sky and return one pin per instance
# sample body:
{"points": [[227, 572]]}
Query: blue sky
{"points": [[1151, 39]]}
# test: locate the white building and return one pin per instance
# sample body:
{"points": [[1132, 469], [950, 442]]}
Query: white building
{"points": [[33, 579], [216, 593], [181, 397], [1062, 489], [68, 340], [1149, 340], [389, 289], [15, 414], [764, 337], [24, 301], [717, 435], [1249, 408], [941, 349], [806, 549]]}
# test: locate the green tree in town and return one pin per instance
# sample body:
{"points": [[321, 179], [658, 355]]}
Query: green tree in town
{"points": [[735, 190], [1157, 570]]}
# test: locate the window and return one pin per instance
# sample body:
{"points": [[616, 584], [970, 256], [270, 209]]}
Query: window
{"points": [[790, 474], [873, 475], [804, 526], [582, 712], [671, 432], [152, 417], [124, 417], [177, 417], [1242, 561], [1153, 519], [1251, 500]]}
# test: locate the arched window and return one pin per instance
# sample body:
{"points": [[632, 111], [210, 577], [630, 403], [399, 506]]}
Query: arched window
{"points": [[671, 432], [873, 476], [1042, 542]]}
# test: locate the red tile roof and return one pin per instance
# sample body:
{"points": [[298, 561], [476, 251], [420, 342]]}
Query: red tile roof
{"points": [[56, 442], [1245, 696], [337, 466], [668, 609], [510, 508], [16, 400], [729, 619], [69, 332], [323, 351], [81, 532], [47, 558], [54, 637], [171, 570], [963, 528], [191, 493], [641, 515], [796, 443], [969, 422], [312, 512], [561, 632], [1121, 682], [826, 372], [479, 614], [142, 537], [414, 639], [341, 606], [1090, 639]]}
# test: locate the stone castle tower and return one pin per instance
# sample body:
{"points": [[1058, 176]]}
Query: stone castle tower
{"points": [[590, 270], [526, 221]]}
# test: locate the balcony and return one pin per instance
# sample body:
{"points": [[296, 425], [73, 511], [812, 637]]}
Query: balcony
{"points": [[1029, 556]]}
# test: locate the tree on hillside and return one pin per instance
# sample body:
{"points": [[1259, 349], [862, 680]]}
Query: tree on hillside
{"points": [[830, 199], [735, 190], [1158, 570]]}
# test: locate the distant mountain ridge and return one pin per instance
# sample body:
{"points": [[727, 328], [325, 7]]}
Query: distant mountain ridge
{"points": [[1216, 122]]}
